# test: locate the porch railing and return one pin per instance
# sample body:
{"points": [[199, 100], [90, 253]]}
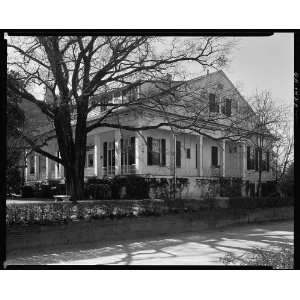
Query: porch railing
{"points": [[125, 170]]}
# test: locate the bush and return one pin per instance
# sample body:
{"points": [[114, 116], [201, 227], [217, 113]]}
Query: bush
{"points": [[27, 191], [99, 191], [262, 202], [277, 259], [13, 180], [230, 187]]}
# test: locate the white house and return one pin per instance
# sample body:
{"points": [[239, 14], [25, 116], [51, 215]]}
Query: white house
{"points": [[162, 153]]}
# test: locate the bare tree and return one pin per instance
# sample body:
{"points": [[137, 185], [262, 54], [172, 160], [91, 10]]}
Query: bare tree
{"points": [[267, 132], [80, 73]]}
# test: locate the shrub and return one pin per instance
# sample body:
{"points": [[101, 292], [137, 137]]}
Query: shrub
{"points": [[13, 180], [99, 191], [262, 202], [230, 187], [27, 191], [283, 258]]}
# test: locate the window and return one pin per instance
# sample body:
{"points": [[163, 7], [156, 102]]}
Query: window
{"points": [[31, 164], [232, 147], [105, 101], [128, 151], [213, 105], [156, 151], [226, 109], [214, 156], [109, 154], [89, 162], [42, 165], [178, 154], [188, 153], [252, 158], [265, 161]]}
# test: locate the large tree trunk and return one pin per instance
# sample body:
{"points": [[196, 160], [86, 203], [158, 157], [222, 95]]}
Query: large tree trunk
{"points": [[72, 153], [74, 184]]}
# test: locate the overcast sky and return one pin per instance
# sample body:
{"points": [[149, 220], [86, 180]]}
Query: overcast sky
{"points": [[264, 63]]}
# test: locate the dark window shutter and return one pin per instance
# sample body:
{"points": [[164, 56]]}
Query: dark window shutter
{"points": [[178, 154], [214, 156], [268, 161], [149, 151], [248, 158], [105, 154], [256, 159], [196, 156], [163, 152], [132, 151], [122, 152], [113, 155]]}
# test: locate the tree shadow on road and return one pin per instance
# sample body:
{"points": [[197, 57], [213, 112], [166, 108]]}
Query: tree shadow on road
{"points": [[188, 248]]}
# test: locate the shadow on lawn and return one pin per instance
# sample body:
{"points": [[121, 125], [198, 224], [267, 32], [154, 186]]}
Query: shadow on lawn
{"points": [[192, 248]]}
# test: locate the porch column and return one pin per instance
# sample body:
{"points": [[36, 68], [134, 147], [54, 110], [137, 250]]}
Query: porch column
{"points": [[96, 154], [223, 157], [200, 154], [47, 168], [117, 152], [26, 164], [137, 150], [36, 166], [56, 169]]}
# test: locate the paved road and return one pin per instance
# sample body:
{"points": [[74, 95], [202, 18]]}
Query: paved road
{"points": [[205, 248]]}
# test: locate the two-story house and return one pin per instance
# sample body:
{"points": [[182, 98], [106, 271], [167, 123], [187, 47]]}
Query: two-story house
{"points": [[202, 152]]}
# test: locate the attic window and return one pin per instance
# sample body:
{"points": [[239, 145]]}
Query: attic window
{"points": [[213, 105]]}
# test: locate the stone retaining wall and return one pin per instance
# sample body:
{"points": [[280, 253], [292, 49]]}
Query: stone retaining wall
{"points": [[33, 236]]}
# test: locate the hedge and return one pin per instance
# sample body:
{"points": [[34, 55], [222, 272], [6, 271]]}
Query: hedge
{"points": [[62, 212], [262, 202]]}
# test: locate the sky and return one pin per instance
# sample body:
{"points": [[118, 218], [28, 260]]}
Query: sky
{"points": [[264, 63]]}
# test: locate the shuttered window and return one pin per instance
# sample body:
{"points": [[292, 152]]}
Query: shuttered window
{"points": [[214, 156], [156, 151]]}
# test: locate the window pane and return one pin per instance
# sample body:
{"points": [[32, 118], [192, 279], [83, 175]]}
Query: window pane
{"points": [[90, 160], [31, 164], [214, 156], [188, 153]]}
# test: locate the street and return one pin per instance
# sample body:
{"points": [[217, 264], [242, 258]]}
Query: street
{"points": [[205, 248]]}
